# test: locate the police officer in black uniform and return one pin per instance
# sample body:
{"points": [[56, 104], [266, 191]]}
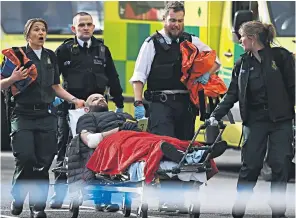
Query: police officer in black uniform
{"points": [[33, 127], [159, 63], [263, 81], [87, 67]]}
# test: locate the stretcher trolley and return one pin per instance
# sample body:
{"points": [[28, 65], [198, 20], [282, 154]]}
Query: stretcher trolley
{"points": [[102, 184]]}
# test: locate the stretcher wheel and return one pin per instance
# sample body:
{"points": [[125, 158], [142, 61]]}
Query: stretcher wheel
{"points": [[99, 208], [194, 211], [126, 205], [144, 211], [126, 210], [74, 209]]}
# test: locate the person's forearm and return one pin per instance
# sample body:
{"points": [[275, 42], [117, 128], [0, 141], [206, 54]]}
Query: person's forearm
{"points": [[93, 142], [6, 83], [138, 90], [110, 132], [215, 68], [62, 93]]}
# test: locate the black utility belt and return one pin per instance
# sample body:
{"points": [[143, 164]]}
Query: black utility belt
{"points": [[159, 96], [34, 107]]}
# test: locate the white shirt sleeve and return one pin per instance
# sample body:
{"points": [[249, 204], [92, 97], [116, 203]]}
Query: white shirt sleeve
{"points": [[203, 47], [143, 62]]}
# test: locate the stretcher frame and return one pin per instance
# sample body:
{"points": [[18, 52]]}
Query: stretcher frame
{"points": [[120, 184]]}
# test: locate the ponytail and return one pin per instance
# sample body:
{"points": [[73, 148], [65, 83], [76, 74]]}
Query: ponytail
{"points": [[270, 33]]}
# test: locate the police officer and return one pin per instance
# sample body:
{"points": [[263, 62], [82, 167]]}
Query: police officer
{"points": [[33, 127], [159, 63], [263, 81], [87, 67]]}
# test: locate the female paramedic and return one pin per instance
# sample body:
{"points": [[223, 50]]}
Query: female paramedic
{"points": [[31, 74], [263, 81]]}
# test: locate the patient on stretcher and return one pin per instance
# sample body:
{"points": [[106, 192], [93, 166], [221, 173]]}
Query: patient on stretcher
{"points": [[115, 154], [118, 144]]}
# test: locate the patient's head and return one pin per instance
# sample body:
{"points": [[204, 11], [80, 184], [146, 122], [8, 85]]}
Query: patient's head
{"points": [[96, 103]]}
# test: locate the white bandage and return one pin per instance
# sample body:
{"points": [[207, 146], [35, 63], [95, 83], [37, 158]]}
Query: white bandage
{"points": [[94, 139]]}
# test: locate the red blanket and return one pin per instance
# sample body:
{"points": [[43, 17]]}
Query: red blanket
{"points": [[118, 151]]}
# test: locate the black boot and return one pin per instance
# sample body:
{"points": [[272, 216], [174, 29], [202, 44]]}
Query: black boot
{"points": [[171, 152], [37, 213], [238, 209], [16, 208], [218, 149]]}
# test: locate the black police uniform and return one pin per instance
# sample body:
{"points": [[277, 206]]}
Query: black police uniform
{"points": [[85, 71], [33, 129], [170, 114], [266, 95]]}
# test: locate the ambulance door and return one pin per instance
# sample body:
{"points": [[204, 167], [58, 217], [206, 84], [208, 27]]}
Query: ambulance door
{"points": [[229, 52]]}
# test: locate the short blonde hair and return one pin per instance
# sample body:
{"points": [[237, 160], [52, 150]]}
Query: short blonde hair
{"points": [[265, 33], [30, 23]]}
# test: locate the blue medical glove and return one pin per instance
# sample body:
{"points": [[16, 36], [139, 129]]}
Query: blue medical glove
{"points": [[119, 110], [139, 112], [57, 101], [203, 79]]}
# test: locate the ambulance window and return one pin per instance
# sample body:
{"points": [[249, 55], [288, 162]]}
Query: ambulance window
{"points": [[141, 10], [57, 14], [282, 15]]}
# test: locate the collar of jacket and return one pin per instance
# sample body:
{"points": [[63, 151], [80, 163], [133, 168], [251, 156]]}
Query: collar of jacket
{"points": [[29, 49], [261, 52], [94, 41]]}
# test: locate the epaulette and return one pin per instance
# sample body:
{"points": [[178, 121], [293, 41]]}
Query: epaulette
{"points": [[150, 37], [281, 50], [68, 40], [100, 40], [160, 39], [186, 36]]}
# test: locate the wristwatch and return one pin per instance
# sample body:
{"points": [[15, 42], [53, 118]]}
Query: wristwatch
{"points": [[137, 103]]}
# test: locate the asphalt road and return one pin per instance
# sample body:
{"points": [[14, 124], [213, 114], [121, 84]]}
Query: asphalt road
{"points": [[217, 196]]}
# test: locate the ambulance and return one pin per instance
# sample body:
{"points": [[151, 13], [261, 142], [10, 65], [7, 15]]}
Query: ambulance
{"points": [[124, 25], [128, 24]]}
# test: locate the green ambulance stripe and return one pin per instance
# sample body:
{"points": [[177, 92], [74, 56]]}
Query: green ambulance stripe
{"points": [[238, 50], [192, 29]]}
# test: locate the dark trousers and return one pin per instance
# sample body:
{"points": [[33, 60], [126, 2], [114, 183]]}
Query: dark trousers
{"points": [[5, 127], [175, 118], [34, 146], [277, 138], [63, 136]]}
